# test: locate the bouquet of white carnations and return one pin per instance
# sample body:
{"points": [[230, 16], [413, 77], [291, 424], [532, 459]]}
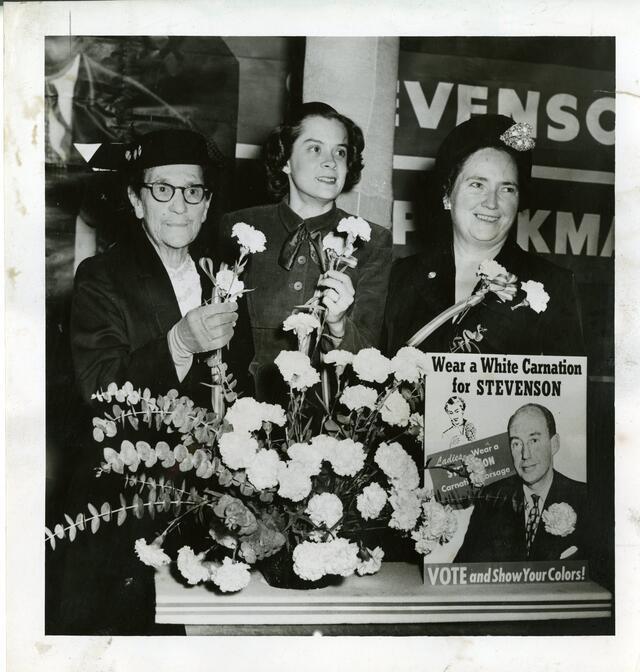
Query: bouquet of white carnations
{"points": [[305, 491], [305, 485]]}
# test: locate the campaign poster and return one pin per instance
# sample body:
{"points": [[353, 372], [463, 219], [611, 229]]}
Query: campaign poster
{"points": [[505, 450]]}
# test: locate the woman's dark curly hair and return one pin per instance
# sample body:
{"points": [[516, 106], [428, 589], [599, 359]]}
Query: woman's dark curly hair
{"points": [[277, 150]]}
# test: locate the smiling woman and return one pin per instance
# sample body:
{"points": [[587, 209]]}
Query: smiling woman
{"points": [[137, 311], [310, 160], [483, 170]]}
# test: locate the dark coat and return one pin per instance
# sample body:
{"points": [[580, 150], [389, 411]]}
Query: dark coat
{"points": [[123, 308], [496, 531], [276, 291], [423, 285]]}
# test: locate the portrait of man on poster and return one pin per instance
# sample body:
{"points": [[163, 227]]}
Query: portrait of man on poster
{"points": [[537, 514]]}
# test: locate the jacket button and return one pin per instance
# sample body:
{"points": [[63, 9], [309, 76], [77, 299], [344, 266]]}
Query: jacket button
{"points": [[302, 259], [432, 275], [297, 285]]}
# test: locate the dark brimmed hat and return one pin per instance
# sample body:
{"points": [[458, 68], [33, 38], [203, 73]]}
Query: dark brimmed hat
{"points": [[157, 148], [480, 132]]}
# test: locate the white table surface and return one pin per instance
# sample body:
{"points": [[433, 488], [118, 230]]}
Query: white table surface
{"points": [[396, 594]]}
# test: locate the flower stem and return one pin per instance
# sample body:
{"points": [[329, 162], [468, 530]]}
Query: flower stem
{"points": [[422, 334]]}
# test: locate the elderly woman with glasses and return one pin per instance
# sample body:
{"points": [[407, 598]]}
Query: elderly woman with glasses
{"points": [[137, 311], [137, 316], [483, 175]]}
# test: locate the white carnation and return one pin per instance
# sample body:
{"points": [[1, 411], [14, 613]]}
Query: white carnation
{"points": [[339, 357], [308, 456], [334, 243], [371, 501], [406, 507], [273, 413], [355, 227], [491, 269], [237, 450], [302, 323], [560, 519], [308, 561], [324, 509], [263, 470], [410, 364], [231, 576], [325, 445], [395, 410], [151, 554], [373, 563], [398, 466], [191, 567], [251, 239], [341, 557], [359, 396], [440, 522], [537, 297], [371, 366], [312, 560], [296, 369], [228, 285], [294, 481], [245, 414], [346, 457]]}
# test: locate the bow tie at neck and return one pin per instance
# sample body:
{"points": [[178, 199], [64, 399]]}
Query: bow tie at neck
{"points": [[294, 241], [304, 231]]}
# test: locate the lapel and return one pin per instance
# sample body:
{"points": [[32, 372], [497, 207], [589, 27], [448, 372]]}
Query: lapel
{"points": [[518, 520], [154, 284], [435, 280], [545, 545], [503, 523], [513, 258]]}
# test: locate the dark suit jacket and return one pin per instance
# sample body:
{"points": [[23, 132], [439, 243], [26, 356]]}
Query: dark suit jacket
{"points": [[496, 531], [123, 307], [422, 286], [276, 291]]}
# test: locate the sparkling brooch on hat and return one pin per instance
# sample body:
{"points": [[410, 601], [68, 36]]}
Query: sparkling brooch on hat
{"points": [[519, 137]]}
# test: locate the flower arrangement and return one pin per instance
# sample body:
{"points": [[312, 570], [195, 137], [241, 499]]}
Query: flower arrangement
{"points": [[311, 486], [314, 487], [494, 280]]}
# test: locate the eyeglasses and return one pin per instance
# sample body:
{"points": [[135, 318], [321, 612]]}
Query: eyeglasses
{"points": [[164, 192]]}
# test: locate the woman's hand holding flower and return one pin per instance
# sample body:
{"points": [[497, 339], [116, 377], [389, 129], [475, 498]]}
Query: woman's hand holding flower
{"points": [[206, 328], [337, 296]]}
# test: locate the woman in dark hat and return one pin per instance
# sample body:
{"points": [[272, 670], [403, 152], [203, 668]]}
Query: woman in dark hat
{"points": [[137, 316], [310, 160], [483, 173], [137, 312]]}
